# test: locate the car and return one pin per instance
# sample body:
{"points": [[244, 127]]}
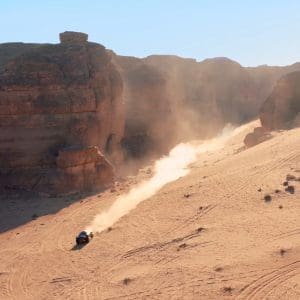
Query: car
{"points": [[83, 237]]}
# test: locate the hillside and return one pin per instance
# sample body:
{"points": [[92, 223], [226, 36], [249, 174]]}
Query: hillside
{"points": [[208, 235]]}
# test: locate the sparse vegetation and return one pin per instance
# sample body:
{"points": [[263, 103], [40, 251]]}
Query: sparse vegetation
{"points": [[290, 189], [127, 280], [267, 198], [282, 252], [200, 229], [290, 177], [227, 289], [218, 269], [182, 246], [113, 157]]}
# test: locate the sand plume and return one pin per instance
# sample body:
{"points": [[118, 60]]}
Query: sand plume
{"points": [[166, 169]]}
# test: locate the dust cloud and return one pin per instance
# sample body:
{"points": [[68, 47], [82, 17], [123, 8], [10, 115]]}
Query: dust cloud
{"points": [[166, 169]]}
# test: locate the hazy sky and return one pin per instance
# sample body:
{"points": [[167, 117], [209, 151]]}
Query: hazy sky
{"points": [[252, 32]]}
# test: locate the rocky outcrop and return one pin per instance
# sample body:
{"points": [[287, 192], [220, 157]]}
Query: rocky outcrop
{"points": [[258, 136], [61, 112], [68, 37], [265, 78], [281, 110]]}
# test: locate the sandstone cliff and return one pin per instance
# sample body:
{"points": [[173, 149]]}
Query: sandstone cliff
{"points": [[281, 110], [171, 99], [62, 115], [61, 112]]}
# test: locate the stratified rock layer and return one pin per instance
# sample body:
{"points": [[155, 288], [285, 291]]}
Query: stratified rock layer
{"points": [[54, 98], [73, 37]]}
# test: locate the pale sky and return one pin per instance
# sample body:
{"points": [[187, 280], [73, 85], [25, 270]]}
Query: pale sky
{"points": [[252, 32]]}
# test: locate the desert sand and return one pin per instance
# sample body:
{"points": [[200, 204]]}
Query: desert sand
{"points": [[208, 235]]}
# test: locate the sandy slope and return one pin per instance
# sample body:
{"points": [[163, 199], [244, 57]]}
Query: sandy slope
{"points": [[220, 241]]}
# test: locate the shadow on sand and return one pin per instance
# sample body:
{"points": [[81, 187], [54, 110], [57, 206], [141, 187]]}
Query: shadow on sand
{"points": [[17, 210], [77, 247]]}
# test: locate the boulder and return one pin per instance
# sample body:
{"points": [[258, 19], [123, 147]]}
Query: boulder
{"points": [[258, 135]]}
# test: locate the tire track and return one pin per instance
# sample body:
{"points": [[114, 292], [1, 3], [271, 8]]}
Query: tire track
{"points": [[191, 220], [191, 284], [265, 284], [286, 234], [161, 245]]}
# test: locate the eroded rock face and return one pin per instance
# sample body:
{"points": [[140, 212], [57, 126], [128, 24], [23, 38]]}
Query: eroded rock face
{"points": [[171, 99], [57, 97], [82, 168], [53, 98], [281, 110]]}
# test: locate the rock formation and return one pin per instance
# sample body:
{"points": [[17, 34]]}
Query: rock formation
{"points": [[258, 136], [265, 78], [68, 37], [62, 116], [61, 112], [281, 110], [171, 99]]}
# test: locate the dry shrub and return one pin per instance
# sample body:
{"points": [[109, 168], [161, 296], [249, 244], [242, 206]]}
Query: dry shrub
{"points": [[227, 289], [267, 198], [126, 280], [290, 189], [290, 177]]}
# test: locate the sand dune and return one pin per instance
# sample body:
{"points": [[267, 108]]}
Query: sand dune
{"points": [[208, 235]]}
